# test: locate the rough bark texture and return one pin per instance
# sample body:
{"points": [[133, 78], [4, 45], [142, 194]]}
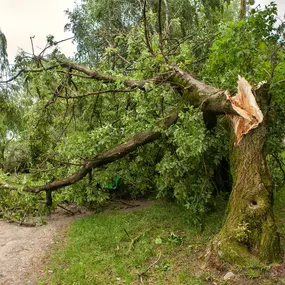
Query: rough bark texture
{"points": [[249, 233]]}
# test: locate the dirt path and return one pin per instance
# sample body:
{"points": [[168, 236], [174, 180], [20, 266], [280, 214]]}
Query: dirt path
{"points": [[23, 249]]}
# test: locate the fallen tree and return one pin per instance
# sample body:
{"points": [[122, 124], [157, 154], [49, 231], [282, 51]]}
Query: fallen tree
{"points": [[249, 232]]}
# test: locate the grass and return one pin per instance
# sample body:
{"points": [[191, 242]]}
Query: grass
{"points": [[157, 242], [154, 245]]}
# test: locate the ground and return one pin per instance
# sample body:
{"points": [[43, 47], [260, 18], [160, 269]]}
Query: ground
{"points": [[151, 243], [22, 249]]}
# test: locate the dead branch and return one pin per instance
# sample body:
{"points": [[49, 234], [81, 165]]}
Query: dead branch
{"points": [[145, 271], [133, 241], [65, 209], [33, 50], [125, 203]]}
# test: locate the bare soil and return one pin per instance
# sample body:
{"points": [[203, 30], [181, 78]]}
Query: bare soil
{"points": [[23, 249]]}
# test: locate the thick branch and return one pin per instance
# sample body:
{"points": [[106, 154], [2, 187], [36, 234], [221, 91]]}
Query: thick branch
{"points": [[104, 77], [199, 94], [102, 159], [195, 92]]}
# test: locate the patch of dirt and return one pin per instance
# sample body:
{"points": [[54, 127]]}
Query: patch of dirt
{"points": [[23, 249]]}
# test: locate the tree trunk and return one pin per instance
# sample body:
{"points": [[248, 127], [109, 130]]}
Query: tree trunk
{"points": [[242, 9], [249, 232]]}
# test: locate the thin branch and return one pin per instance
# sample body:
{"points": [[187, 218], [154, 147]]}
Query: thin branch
{"points": [[33, 50], [103, 77], [27, 71], [65, 209], [145, 271], [160, 31], [55, 43], [96, 93], [146, 31]]}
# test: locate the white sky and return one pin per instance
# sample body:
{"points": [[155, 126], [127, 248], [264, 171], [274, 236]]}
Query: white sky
{"points": [[21, 19]]}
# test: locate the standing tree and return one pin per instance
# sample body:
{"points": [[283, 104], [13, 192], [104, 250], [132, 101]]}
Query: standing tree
{"points": [[141, 86]]}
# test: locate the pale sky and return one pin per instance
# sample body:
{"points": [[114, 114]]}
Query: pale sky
{"points": [[21, 19]]}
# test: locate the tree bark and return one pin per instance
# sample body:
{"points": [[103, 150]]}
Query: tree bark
{"points": [[249, 232], [242, 9]]}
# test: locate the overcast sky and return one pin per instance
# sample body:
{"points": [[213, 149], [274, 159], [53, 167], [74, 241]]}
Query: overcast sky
{"points": [[21, 19]]}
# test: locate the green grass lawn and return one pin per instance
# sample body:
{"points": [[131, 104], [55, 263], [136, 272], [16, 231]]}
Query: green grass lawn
{"points": [[154, 245]]}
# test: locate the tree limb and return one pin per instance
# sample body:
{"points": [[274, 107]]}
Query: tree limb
{"points": [[101, 159]]}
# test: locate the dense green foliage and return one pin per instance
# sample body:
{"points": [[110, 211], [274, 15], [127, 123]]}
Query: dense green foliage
{"points": [[62, 124]]}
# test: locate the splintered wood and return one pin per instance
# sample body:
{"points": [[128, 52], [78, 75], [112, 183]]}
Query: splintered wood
{"points": [[244, 103]]}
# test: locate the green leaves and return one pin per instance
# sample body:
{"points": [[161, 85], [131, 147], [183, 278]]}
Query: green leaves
{"points": [[244, 47]]}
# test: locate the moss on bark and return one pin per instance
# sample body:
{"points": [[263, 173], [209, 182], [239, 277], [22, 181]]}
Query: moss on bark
{"points": [[249, 232]]}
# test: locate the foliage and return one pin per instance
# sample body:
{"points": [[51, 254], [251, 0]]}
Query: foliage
{"points": [[186, 169], [249, 47], [254, 48], [99, 25], [4, 64], [61, 123]]}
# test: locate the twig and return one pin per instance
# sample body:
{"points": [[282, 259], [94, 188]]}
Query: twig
{"points": [[146, 34], [133, 241], [54, 44], [145, 271], [127, 234], [33, 50], [160, 31], [125, 203], [65, 209]]}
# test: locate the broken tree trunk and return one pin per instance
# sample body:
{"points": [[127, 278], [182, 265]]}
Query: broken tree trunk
{"points": [[249, 232]]}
